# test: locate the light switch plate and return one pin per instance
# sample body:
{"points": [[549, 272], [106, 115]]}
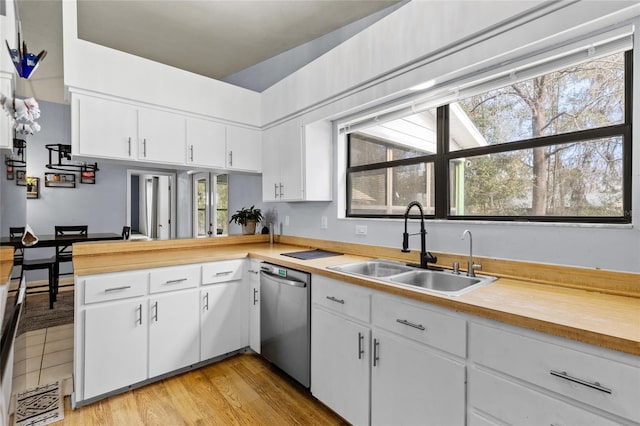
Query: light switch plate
{"points": [[361, 229], [323, 222]]}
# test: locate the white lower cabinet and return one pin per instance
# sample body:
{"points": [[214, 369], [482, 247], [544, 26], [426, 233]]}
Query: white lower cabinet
{"points": [[253, 276], [115, 346], [371, 372], [340, 354], [412, 385], [521, 376], [223, 322], [173, 331], [138, 325]]}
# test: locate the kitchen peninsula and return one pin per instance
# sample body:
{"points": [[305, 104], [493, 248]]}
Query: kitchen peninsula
{"points": [[543, 305]]}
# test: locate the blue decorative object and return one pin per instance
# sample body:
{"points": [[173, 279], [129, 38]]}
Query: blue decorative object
{"points": [[25, 62]]}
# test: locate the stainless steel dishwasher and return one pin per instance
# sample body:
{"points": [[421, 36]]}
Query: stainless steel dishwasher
{"points": [[285, 319]]}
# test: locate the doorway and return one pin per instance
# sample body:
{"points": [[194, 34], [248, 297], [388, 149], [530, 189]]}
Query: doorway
{"points": [[210, 205], [151, 204]]}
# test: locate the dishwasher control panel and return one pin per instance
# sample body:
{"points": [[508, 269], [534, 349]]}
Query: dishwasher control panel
{"points": [[274, 270]]}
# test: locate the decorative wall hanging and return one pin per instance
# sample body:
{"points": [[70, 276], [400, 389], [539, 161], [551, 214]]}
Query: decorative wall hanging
{"points": [[20, 178], [63, 163], [24, 112], [33, 187], [24, 61]]}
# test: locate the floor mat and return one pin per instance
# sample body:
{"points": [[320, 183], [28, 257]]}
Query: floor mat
{"points": [[39, 406]]}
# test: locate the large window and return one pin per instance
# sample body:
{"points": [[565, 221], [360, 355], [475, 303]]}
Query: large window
{"points": [[556, 147]]}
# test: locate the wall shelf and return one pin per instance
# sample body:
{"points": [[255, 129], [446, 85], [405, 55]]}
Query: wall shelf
{"points": [[60, 180], [33, 190]]}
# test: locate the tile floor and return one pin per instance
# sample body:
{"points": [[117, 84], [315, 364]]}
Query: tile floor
{"points": [[44, 356]]}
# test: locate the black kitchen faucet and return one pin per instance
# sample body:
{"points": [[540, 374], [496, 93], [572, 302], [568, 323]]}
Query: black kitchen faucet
{"points": [[425, 256]]}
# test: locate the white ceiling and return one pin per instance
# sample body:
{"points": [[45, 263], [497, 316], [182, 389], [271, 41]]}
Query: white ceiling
{"points": [[215, 38]]}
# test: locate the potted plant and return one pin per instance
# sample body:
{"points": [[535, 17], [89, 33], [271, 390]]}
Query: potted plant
{"points": [[247, 218], [31, 182]]}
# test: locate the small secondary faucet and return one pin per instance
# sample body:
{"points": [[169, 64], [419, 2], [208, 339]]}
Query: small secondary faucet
{"points": [[425, 256], [471, 267]]}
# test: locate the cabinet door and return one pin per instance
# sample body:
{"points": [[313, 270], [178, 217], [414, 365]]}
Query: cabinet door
{"points": [[105, 128], [253, 274], [340, 366], [115, 346], [173, 331], [205, 143], [291, 162], [271, 163], [244, 150], [223, 319], [161, 136], [412, 385]]}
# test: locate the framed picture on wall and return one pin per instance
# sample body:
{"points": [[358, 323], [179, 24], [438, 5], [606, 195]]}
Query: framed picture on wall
{"points": [[20, 178], [10, 173]]}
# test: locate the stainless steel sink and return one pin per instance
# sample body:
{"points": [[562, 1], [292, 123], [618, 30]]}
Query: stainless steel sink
{"points": [[442, 282], [373, 268]]}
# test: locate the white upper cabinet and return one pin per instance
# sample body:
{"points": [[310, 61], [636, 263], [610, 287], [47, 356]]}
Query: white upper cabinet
{"points": [[244, 148], [296, 162], [205, 143], [103, 128], [161, 136]]}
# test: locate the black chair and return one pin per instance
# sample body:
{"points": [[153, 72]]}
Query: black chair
{"points": [[126, 232], [64, 251], [34, 264], [18, 252]]}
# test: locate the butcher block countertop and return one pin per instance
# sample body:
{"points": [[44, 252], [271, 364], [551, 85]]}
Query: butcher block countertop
{"points": [[598, 307], [6, 263]]}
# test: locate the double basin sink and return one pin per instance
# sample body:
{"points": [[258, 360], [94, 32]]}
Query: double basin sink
{"points": [[442, 282]]}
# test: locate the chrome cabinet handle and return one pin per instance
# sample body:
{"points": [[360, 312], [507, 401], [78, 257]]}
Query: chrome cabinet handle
{"points": [[275, 190], [129, 142], [144, 147], [219, 274], [281, 193], [376, 349], [139, 309], [333, 299], [230, 158], [594, 385], [155, 316], [179, 280], [191, 150], [360, 342], [124, 287], [255, 293], [206, 301], [253, 272], [410, 324]]}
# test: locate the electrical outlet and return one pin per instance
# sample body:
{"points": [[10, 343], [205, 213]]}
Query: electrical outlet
{"points": [[323, 222], [286, 221], [361, 229]]}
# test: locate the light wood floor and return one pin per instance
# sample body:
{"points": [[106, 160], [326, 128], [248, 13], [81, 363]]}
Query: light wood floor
{"points": [[242, 390]]}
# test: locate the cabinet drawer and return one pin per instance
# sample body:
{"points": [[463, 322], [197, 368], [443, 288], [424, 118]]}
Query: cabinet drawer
{"points": [[579, 374], [518, 405], [119, 285], [224, 270], [175, 278], [441, 331], [346, 299]]}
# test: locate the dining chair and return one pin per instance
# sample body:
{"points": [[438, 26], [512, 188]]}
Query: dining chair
{"points": [[18, 252], [126, 232], [64, 253], [34, 264]]}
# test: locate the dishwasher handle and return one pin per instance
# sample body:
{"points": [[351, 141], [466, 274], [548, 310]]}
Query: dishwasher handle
{"points": [[279, 280]]}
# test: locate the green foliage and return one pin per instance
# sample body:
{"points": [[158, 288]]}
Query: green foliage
{"points": [[242, 216]]}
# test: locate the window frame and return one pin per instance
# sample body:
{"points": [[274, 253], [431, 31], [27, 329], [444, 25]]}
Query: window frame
{"points": [[443, 157]]}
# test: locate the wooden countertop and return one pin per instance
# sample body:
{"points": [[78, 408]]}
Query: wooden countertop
{"points": [[591, 315], [6, 264]]}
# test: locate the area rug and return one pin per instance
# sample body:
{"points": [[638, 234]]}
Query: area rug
{"points": [[37, 315], [39, 406]]}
